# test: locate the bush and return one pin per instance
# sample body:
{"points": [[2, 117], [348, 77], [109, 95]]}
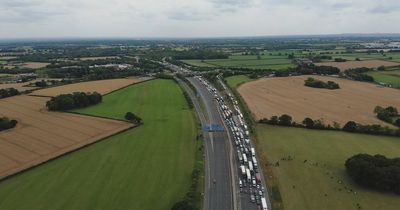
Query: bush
{"points": [[6, 123], [311, 82], [350, 126], [376, 172], [132, 117], [72, 101], [8, 92]]}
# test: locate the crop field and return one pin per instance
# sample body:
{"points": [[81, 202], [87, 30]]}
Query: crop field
{"points": [[41, 135], [314, 176], [100, 86], [148, 167], [277, 62], [235, 81], [391, 77], [357, 64], [288, 95]]}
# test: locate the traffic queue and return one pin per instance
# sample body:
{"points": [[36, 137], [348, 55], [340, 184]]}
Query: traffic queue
{"points": [[249, 174]]}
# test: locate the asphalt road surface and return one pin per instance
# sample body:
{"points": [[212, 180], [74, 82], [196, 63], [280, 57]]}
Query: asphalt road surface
{"points": [[219, 190]]}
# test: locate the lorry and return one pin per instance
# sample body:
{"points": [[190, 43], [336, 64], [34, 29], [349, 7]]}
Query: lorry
{"points": [[264, 203], [248, 175], [258, 178], [243, 170]]}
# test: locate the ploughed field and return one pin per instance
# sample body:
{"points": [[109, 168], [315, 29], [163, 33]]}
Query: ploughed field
{"points": [[358, 64], [287, 95], [314, 176], [100, 86], [41, 135], [148, 167]]}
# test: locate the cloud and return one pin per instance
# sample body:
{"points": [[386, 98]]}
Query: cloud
{"points": [[384, 9], [194, 17]]}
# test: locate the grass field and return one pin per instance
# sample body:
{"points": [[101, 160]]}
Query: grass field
{"points": [[235, 81], [321, 181], [274, 61], [148, 167], [2, 62], [388, 77]]}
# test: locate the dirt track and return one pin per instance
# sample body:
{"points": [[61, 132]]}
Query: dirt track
{"points": [[288, 95], [41, 135], [100, 86], [358, 64]]}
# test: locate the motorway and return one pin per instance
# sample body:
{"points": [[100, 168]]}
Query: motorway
{"points": [[222, 163], [219, 187]]}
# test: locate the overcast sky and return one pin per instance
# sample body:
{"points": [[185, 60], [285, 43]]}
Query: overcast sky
{"points": [[194, 18]]}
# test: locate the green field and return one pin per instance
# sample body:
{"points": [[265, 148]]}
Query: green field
{"points": [[388, 77], [2, 62], [235, 81], [321, 181], [266, 61], [148, 167]]}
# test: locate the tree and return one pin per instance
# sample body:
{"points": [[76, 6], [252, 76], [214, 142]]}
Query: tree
{"points": [[381, 68], [132, 117], [377, 172], [285, 120], [397, 122], [273, 120], [308, 122], [350, 126]]}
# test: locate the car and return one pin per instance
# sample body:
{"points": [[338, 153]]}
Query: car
{"points": [[253, 199]]}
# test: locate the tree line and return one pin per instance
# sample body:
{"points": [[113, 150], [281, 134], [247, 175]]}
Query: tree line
{"points": [[6, 123], [312, 82], [350, 126], [8, 92], [376, 172], [71, 101]]}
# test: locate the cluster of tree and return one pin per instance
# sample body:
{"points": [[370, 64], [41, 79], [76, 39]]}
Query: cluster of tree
{"points": [[387, 114], [351, 126], [358, 74], [8, 92], [376, 172], [313, 69], [312, 82], [340, 60], [199, 54], [74, 100], [6, 123], [374, 129], [133, 118], [319, 58]]}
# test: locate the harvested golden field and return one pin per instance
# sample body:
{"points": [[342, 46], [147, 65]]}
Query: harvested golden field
{"points": [[41, 135], [358, 64], [100, 86], [288, 95]]}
